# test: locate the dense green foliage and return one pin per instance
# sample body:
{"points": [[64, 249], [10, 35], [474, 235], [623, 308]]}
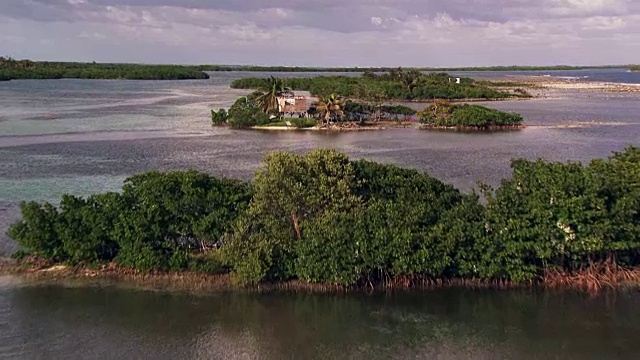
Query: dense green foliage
{"points": [[219, 117], [395, 85], [247, 112], [324, 218], [159, 221], [635, 68], [26, 69], [445, 114], [251, 110]]}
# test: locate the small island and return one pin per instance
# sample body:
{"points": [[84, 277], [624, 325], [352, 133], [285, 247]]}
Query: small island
{"points": [[444, 115], [276, 107], [635, 68], [324, 222], [27, 69]]}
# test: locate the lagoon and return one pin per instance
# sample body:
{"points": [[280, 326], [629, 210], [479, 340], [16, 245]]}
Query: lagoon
{"points": [[86, 136]]}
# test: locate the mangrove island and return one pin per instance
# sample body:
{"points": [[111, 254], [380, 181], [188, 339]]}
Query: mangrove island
{"points": [[27, 69], [444, 115], [322, 219], [397, 85]]}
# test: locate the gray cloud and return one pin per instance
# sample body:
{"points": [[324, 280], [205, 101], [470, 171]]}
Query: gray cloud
{"points": [[324, 32]]}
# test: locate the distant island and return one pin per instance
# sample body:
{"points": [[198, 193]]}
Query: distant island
{"points": [[635, 68], [27, 69], [396, 85], [255, 68]]}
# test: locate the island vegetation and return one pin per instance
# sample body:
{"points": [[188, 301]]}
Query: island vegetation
{"points": [[444, 115], [261, 109], [635, 68], [322, 218], [27, 69], [257, 68], [397, 85]]}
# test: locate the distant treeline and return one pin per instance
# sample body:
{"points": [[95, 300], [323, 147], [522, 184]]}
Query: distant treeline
{"points": [[324, 218], [26, 69], [635, 68], [398, 84], [387, 69]]}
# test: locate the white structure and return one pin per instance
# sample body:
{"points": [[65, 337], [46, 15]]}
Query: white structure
{"points": [[293, 104]]}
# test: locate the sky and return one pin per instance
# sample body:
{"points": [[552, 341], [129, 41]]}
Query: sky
{"points": [[324, 32]]}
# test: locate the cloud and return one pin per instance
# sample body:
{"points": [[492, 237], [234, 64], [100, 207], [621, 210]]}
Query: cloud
{"points": [[324, 32]]}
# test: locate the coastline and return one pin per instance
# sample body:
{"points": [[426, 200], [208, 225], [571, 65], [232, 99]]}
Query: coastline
{"points": [[109, 275], [316, 128], [542, 83], [473, 128]]}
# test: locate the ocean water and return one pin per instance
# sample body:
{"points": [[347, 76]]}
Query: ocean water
{"points": [[621, 75], [86, 136]]}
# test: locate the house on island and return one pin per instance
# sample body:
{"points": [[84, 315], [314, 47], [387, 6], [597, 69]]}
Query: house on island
{"points": [[294, 104]]}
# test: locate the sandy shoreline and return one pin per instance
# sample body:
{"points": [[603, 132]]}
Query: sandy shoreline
{"points": [[109, 275], [315, 128], [575, 85]]}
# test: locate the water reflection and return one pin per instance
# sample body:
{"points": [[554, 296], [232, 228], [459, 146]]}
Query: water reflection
{"points": [[54, 322]]}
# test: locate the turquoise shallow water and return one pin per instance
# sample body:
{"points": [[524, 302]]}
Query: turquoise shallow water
{"points": [[85, 136]]}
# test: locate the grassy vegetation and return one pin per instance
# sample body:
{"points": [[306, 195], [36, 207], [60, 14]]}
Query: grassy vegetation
{"points": [[323, 218], [294, 121], [395, 85], [445, 114], [26, 69]]}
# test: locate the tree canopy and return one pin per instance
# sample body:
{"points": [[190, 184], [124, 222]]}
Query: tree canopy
{"points": [[398, 84], [445, 114], [27, 69], [324, 218]]}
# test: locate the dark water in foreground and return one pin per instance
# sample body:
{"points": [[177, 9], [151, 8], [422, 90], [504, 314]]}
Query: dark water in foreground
{"points": [[83, 137], [67, 323]]}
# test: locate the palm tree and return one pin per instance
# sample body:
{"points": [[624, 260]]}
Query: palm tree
{"points": [[273, 88], [329, 107]]}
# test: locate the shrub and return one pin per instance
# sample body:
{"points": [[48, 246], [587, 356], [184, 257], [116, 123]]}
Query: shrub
{"points": [[83, 227], [290, 191], [219, 117], [246, 112], [36, 231], [443, 113], [158, 222], [303, 122]]}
